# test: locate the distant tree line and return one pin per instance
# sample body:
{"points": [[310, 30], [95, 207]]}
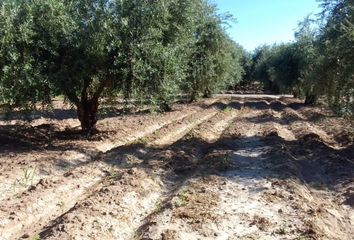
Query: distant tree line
{"points": [[318, 64], [146, 50]]}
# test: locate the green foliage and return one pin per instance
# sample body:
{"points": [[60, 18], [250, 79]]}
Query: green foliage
{"points": [[308, 55], [247, 66], [336, 48], [215, 61], [85, 50], [320, 63], [279, 69], [182, 199]]}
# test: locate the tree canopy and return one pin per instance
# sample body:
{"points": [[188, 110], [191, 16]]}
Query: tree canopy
{"points": [[86, 50], [319, 63], [155, 50]]}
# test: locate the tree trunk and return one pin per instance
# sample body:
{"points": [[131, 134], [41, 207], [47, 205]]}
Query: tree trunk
{"points": [[310, 99], [165, 107], [193, 97], [296, 93], [207, 93], [87, 114]]}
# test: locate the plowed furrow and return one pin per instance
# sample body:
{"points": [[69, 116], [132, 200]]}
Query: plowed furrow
{"points": [[142, 131], [176, 131], [60, 196], [240, 170], [262, 196], [17, 179], [48, 199], [111, 212], [303, 128], [215, 126], [191, 213], [124, 205]]}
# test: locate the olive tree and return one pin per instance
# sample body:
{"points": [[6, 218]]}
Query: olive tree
{"points": [[149, 50]]}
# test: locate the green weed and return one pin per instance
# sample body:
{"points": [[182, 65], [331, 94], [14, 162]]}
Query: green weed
{"points": [[27, 179], [61, 204], [158, 205], [220, 162], [227, 109], [182, 199], [281, 230], [36, 237]]}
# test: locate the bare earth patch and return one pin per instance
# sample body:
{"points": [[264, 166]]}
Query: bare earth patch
{"points": [[232, 167]]}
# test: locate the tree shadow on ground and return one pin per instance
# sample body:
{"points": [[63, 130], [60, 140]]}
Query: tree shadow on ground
{"points": [[307, 154], [266, 103], [22, 137], [308, 160], [65, 114]]}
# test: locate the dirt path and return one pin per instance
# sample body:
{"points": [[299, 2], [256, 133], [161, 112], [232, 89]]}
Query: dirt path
{"points": [[259, 196], [237, 168]]}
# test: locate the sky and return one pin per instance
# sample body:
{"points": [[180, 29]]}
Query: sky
{"points": [[265, 21]]}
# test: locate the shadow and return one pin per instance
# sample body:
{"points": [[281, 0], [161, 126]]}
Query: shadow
{"points": [[218, 105], [21, 138], [268, 157], [236, 105], [297, 105], [278, 106], [268, 118], [264, 103], [275, 105], [25, 115], [257, 105], [307, 159], [65, 114]]}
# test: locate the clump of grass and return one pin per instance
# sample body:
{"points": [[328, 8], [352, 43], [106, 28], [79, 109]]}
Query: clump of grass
{"points": [[221, 162], [303, 238], [225, 163], [154, 110], [36, 237], [140, 141], [131, 161], [182, 199], [158, 205], [61, 204], [281, 230], [227, 109], [192, 134], [27, 178]]}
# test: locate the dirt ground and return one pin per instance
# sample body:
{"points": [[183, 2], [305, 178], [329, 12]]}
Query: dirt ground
{"points": [[232, 167]]}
